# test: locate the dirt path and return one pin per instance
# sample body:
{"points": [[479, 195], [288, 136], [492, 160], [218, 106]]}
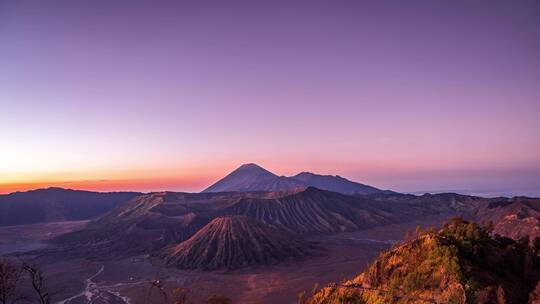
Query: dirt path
{"points": [[96, 294]]}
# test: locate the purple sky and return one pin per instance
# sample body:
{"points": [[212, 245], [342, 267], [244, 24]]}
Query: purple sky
{"points": [[412, 96]]}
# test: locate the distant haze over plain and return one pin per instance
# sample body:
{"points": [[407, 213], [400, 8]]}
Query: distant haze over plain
{"points": [[146, 96]]}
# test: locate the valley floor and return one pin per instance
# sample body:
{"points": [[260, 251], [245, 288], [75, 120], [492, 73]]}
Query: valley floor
{"points": [[73, 280]]}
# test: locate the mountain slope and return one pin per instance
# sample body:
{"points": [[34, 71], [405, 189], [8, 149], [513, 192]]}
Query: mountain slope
{"points": [[314, 211], [334, 183], [515, 218], [57, 204], [235, 242], [458, 264], [319, 211]]}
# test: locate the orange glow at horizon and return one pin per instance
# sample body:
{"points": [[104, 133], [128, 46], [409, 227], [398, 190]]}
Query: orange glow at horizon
{"points": [[186, 179], [187, 184]]}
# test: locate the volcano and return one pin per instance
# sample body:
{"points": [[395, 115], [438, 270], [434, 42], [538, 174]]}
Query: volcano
{"points": [[234, 242], [252, 177]]}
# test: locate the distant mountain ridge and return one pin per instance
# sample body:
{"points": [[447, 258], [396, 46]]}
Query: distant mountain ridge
{"points": [[252, 177], [57, 204], [334, 183]]}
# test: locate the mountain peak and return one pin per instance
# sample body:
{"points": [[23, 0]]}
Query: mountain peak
{"points": [[305, 173], [250, 166], [247, 177]]}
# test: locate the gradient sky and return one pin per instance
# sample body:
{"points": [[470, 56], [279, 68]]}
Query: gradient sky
{"points": [[406, 95]]}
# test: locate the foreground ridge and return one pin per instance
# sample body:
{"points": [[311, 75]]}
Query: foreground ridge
{"points": [[461, 263]]}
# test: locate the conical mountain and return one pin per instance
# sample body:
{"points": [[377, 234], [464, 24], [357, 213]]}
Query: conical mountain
{"points": [[235, 242], [251, 177]]}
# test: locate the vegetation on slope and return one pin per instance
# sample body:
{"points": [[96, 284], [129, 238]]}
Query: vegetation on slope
{"points": [[461, 263]]}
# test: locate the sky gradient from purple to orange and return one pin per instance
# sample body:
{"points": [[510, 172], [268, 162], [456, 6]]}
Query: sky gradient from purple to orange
{"points": [[133, 95]]}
